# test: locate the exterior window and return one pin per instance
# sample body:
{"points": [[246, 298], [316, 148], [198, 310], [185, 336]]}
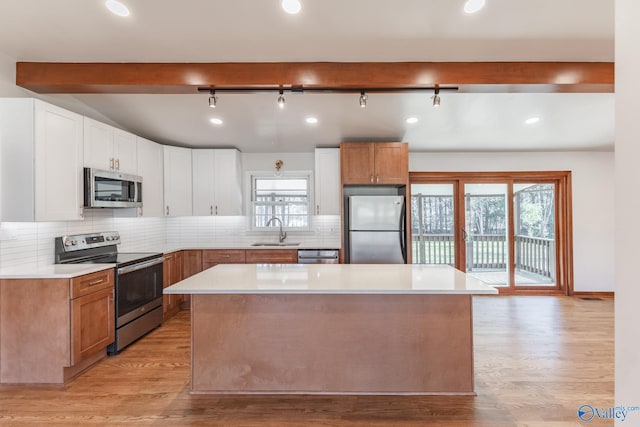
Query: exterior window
{"points": [[284, 197]]}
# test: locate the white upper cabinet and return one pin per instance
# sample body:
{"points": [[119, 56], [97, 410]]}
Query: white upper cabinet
{"points": [[151, 169], [177, 181], [109, 148], [217, 182], [327, 181], [41, 161]]}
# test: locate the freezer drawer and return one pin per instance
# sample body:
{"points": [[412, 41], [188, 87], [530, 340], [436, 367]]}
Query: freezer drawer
{"points": [[375, 247]]}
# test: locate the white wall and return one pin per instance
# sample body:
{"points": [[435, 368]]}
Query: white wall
{"points": [[266, 161], [627, 207], [593, 223]]}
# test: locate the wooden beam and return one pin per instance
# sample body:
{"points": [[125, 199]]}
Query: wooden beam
{"points": [[54, 77]]}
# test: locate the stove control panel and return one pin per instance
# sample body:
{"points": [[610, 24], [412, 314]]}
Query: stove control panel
{"points": [[86, 241]]}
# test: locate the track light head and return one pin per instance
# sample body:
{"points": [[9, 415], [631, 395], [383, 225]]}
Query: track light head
{"points": [[213, 99], [281, 100], [363, 99], [436, 98]]}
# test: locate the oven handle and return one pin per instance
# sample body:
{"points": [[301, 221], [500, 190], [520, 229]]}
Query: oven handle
{"points": [[129, 269]]}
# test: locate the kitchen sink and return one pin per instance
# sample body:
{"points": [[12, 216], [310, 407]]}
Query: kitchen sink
{"points": [[274, 244]]}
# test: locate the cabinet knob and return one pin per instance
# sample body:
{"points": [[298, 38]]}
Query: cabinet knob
{"points": [[211, 210], [377, 178], [371, 179], [216, 209], [167, 210]]}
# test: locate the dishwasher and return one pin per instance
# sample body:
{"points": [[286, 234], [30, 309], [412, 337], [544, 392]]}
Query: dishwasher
{"points": [[318, 256]]}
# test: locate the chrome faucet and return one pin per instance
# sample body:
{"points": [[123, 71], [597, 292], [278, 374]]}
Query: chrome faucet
{"points": [[283, 235]]}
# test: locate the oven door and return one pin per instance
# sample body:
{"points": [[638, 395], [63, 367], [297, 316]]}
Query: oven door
{"points": [[138, 290]]}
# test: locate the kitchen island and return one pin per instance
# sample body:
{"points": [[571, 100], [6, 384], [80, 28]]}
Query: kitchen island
{"points": [[331, 329]]}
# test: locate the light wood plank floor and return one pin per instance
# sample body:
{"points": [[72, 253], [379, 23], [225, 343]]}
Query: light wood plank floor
{"points": [[537, 358]]}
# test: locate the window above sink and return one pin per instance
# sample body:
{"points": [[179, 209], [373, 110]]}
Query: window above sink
{"points": [[286, 197]]}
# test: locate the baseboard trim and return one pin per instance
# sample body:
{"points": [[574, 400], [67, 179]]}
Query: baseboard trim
{"points": [[594, 294]]}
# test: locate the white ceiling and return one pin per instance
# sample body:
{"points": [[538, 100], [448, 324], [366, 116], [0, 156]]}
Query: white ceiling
{"points": [[332, 30]]}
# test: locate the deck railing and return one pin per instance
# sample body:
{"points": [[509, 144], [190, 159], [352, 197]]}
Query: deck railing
{"points": [[536, 255], [485, 251]]}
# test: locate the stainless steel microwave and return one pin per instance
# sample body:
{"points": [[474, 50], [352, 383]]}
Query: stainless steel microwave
{"points": [[106, 189]]}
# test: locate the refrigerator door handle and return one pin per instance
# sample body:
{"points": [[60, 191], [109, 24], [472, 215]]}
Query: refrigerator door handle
{"points": [[403, 237]]}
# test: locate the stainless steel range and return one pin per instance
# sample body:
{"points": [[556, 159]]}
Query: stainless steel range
{"points": [[138, 282]]}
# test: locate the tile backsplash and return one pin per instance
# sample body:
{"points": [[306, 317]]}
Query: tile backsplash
{"points": [[32, 243]]}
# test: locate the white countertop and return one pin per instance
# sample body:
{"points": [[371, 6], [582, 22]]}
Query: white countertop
{"points": [[330, 279], [52, 271]]}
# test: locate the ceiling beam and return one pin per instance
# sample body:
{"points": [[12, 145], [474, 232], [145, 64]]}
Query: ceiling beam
{"points": [[186, 78]]}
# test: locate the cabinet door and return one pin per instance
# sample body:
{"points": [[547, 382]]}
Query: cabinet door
{"points": [[192, 263], [227, 183], [271, 256], [327, 181], [92, 324], [98, 145], [391, 163], [177, 181], [203, 176], [357, 160], [167, 275], [151, 168], [58, 163], [125, 152]]}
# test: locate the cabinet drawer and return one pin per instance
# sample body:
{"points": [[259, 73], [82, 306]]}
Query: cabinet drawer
{"points": [[93, 282], [235, 256], [271, 256]]}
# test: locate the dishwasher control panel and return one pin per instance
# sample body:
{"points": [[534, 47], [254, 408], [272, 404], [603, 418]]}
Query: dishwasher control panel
{"points": [[318, 256]]}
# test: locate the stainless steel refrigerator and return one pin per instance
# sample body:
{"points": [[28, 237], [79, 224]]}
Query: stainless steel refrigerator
{"points": [[376, 230]]}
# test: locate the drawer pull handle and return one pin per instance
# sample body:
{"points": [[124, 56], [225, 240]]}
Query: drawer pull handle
{"points": [[96, 282]]}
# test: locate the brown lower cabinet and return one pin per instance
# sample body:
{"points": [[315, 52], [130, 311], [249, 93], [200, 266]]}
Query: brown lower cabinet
{"points": [[191, 264], [271, 256], [172, 272], [53, 329], [182, 264]]}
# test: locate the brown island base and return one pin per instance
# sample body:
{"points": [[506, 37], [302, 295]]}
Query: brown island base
{"points": [[331, 329]]}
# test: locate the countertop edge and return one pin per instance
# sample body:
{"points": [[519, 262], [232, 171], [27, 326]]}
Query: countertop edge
{"points": [[48, 271]]}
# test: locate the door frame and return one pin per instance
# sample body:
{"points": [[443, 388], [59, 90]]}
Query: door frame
{"points": [[563, 223]]}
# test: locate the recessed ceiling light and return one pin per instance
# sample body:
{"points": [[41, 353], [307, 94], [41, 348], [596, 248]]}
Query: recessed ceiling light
{"points": [[291, 6], [472, 6], [311, 120], [412, 120], [117, 8], [216, 121], [532, 120]]}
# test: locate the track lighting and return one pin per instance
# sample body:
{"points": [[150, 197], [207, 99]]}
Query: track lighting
{"points": [[363, 99], [436, 98], [213, 99], [281, 99]]}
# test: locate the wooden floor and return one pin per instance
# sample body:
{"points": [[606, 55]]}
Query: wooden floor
{"points": [[537, 359]]}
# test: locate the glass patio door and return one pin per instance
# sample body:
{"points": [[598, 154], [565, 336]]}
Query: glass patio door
{"points": [[509, 229], [534, 207], [433, 224], [486, 232]]}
